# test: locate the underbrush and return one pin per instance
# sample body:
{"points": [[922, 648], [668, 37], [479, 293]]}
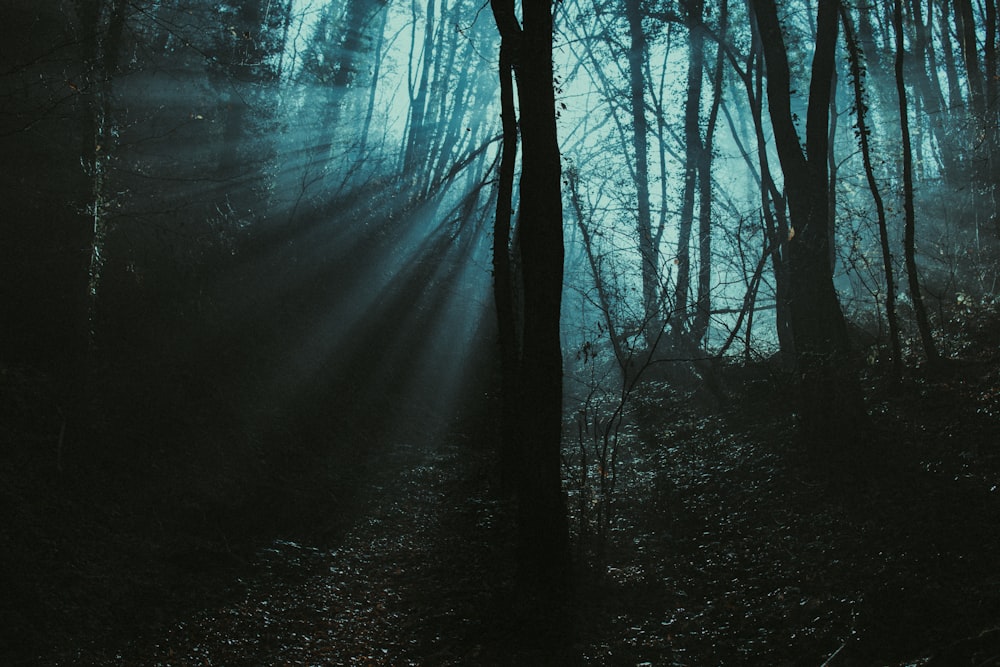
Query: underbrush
{"points": [[721, 542], [704, 532]]}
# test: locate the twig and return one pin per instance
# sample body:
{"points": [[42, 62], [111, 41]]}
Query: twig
{"points": [[829, 661]]}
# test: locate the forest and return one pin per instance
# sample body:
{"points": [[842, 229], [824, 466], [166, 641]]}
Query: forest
{"points": [[500, 332]]}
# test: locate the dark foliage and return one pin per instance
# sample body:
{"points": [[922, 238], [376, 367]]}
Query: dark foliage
{"points": [[726, 545]]}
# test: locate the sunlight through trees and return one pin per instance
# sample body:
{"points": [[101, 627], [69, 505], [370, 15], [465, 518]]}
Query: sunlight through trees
{"points": [[261, 240]]}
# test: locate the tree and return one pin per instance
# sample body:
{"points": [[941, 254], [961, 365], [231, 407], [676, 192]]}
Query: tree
{"points": [[58, 134], [909, 233], [831, 404], [690, 328], [247, 57], [649, 251], [543, 525], [417, 139], [504, 296], [101, 52], [861, 130], [693, 152]]}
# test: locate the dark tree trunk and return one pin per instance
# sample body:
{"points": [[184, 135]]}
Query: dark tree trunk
{"points": [[990, 60], [238, 67], [965, 25], [772, 201], [648, 250], [830, 398], [927, 84], [992, 119], [923, 325], [692, 154], [373, 85], [503, 281], [860, 110], [416, 146], [545, 539], [703, 302], [101, 43], [543, 524]]}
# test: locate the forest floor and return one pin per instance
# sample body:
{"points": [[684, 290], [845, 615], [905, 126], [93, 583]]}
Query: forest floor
{"points": [[726, 547]]}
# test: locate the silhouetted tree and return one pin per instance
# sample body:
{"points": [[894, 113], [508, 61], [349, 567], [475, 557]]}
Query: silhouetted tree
{"points": [[830, 402], [909, 229], [649, 252], [544, 536], [862, 131]]}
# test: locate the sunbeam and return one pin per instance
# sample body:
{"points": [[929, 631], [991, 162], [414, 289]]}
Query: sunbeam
{"points": [[455, 332]]}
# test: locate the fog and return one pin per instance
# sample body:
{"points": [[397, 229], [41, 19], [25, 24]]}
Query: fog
{"points": [[248, 266]]}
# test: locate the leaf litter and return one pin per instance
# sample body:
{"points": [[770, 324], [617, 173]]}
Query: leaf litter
{"points": [[724, 547]]}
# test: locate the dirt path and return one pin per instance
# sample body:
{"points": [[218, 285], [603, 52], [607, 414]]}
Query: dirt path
{"points": [[404, 586]]}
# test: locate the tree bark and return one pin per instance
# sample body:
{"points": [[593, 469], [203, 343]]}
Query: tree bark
{"points": [[965, 25], [543, 523], [503, 281], [909, 249], [703, 301], [831, 407], [101, 44], [648, 251], [692, 154], [860, 110], [417, 139]]}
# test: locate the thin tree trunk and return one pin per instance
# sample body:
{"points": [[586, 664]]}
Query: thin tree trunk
{"points": [[925, 77], [376, 73], [860, 110], [920, 312], [965, 24], [992, 119], [703, 302], [648, 253], [416, 144], [604, 299], [773, 207], [692, 153], [503, 281], [102, 46]]}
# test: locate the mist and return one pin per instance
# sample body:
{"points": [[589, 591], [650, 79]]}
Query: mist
{"points": [[250, 307]]}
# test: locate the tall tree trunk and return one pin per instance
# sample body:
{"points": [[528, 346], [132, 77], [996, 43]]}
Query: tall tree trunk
{"points": [[927, 83], [545, 542], [102, 46], [648, 251], [416, 145], [992, 89], [773, 205], [948, 58], [240, 67], [503, 279], [832, 176], [373, 86], [703, 302], [604, 298], [692, 154], [831, 406], [965, 25], [923, 325], [543, 523], [992, 119], [860, 110]]}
